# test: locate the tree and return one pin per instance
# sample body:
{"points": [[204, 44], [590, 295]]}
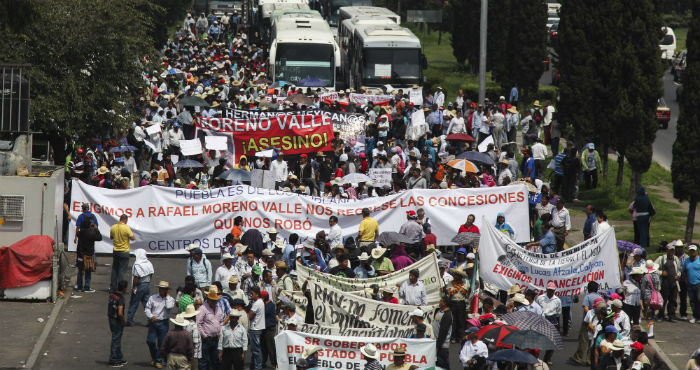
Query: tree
{"points": [[87, 57], [686, 149], [463, 17], [520, 46]]}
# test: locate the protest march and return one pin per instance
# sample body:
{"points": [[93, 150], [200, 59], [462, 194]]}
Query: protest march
{"points": [[360, 230]]}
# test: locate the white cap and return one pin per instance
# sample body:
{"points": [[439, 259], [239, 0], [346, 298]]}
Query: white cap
{"points": [[470, 256], [692, 247], [417, 312]]}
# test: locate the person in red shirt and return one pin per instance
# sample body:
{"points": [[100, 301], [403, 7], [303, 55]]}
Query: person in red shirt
{"points": [[339, 173], [469, 226], [363, 164], [388, 295]]}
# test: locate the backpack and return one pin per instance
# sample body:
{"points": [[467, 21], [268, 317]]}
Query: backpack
{"points": [[113, 308]]}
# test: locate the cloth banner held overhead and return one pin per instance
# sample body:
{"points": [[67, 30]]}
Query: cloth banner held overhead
{"points": [[385, 332], [333, 307], [343, 353], [166, 220], [505, 263], [363, 99], [429, 275]]}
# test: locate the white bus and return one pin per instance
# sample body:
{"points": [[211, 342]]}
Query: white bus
{"points": [[383, 54], [347, 12], [303, 52], [264, 14]]}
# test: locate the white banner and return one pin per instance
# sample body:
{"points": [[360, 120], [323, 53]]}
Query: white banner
{"points": [[385, 332], [363, 99], [216, 142], [416, 96], [166, 220], [333, 307], [504, 263], [380, 176], [429, 275], [343, 353]]}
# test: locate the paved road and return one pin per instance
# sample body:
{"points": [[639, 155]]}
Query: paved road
{"points": [[81, 337], [663, 146]]}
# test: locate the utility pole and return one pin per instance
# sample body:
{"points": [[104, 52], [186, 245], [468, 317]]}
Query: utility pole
{"points": [[482, 49]]}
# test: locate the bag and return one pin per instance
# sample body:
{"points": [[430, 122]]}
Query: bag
{"points": [[652, 210], [89, 263], [657, 301]]}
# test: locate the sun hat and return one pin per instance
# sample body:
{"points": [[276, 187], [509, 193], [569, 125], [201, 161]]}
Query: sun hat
{"points": [[227, 256], [272, 230], [281, 265], [240, 248], [457, 271], [377, 252], [417, 312], [308, 351], [618, 345], [520, 298], [387, 289], [369, 351], [678, 243], [363, 257], [233, 279], [163, 284], [399, 352], [469, 266], [192, 246], [651, 266], [514, 289], [637, 271], [267, 252], [179, 320], [213, 293], [102, 170], [189, 311]]}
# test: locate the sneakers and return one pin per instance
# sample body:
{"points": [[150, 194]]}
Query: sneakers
{"points": [[158, 365], [692, 320], [684, 318], [89, 290], [119, 364]]}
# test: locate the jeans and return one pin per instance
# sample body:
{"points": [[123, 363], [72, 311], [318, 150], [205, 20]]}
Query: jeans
{"points": [[232, 359], [443, 358], [88, 276], [115, 351], [694, 297], [683, 298], [120, 264], [156, 332], [141, 296], [255, 350], [210, 354]]}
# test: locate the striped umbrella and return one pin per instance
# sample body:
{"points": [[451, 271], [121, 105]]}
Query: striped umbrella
{"points": [[494, 334], [463, 165], [526, 320]]}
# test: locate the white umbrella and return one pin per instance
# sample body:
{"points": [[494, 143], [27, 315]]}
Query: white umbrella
{"points": [[265, 153], [355, 178]]}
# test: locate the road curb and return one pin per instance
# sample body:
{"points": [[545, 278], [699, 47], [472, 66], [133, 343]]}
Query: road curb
{"points": [[39, 345], [663, 355]]}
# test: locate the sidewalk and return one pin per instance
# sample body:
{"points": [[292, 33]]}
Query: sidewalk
{"points": [[20, 327], [677, 340]]}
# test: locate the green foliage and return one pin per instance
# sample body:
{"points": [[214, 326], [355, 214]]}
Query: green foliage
{"points": [[677, 20], [686, 149], [86, 57], [518, 50], [463, 17]]}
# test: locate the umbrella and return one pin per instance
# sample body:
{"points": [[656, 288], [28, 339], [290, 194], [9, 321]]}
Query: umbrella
{"points": [[123, 148], [478, 157], [512, 355], [494, 334], [262, 81], [467, 239], [463, 165], [279, 84], [312, 82], [627, 247], [355, 178], [391, 237], [460, 137], [529, 339], [299, 99], [526, 320], [188, 163], [193, 101], [530, 188], [235, 175]]}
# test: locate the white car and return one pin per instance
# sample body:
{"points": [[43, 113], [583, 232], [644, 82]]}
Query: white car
{"points": [[667, 44]]}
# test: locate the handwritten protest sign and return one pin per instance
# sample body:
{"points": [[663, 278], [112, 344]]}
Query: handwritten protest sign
{"points": [[380, 176]]}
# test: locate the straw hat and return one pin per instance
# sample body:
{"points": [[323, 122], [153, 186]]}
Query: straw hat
{"points": [[226, 256], [369, 351], [637, 271], [233, 279], [399, 352], [179, 320], [387, 289], [192, 246], [163, 284], [377, 252], [520, 298], [514, 289], [536, 103], [363, 257], [102, 170], [189, 311], [240, 248], [281, 265], [459, 272], [513, 110], [213, 293]]}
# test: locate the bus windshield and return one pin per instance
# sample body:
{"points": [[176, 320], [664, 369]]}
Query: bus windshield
{"points": [[383, 66], [305, 64]]}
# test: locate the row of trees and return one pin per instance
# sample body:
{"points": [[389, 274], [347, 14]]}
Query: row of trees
{"points": [[685, 167], [87, 58], [608, 57], [516, 40]]}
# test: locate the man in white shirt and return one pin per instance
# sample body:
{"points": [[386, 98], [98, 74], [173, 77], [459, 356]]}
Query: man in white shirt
{"points": [[439, 97], [457, 125], [547, 119], [279, 170], [335, 234], [174, 136], [226, 270], [539, 153], [412, 292], [622, 320], [505, 172], [498, 123], [257, 325], [561, 222], [551, 309], [472, 348]]}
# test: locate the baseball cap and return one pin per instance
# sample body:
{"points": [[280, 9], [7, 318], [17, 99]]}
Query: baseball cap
{"points": [[692, 247], [611, 329]]}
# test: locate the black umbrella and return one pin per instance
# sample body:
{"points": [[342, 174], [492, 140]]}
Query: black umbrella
{"points": [[193, 101], [472, 156], [471, 239], [513, 355], [235, 175], [529, 339], [527, 320], [388, 238]]}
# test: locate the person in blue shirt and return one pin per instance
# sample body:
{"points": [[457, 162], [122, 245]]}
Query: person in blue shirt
{"points": [[691, 271], [82, 217], [528, 164], [590, 221], [513, 98], [546, 242], [503, 226]]}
